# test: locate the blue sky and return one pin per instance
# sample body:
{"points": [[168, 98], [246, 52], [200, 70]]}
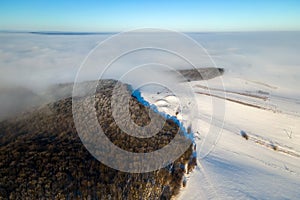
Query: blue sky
{"points": [[222, 15]]}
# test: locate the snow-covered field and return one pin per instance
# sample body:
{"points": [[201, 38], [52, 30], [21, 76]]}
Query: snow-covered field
{"points": [[266, 165]]}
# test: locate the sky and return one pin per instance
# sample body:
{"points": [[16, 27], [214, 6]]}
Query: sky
{"points": [[111, 16]]}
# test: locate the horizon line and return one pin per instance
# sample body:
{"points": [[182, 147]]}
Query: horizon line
{"points": [[58, 32]]}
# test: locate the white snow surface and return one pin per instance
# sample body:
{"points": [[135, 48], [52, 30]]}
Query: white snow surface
{"points": [[266, 166]]}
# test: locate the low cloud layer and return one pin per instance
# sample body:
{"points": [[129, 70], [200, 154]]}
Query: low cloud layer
{"points": [[35, 62]]}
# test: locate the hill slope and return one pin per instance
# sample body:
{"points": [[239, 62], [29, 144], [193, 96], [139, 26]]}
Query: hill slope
{"points": [[41, 156]]}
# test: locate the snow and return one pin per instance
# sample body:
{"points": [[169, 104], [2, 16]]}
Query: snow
{"points": [[137, 94], [266, 166]]}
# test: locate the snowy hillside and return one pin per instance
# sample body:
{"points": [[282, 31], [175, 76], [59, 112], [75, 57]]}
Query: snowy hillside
{"points": [[264, 164]]}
